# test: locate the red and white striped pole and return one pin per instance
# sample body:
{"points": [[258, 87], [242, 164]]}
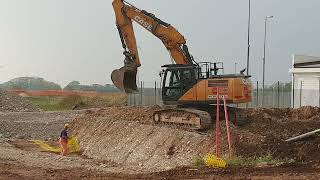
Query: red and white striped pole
{"points": [[227, 124], [217, 123]]}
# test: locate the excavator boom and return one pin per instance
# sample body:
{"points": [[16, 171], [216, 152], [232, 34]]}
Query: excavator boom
{"points": [[125, 77]]}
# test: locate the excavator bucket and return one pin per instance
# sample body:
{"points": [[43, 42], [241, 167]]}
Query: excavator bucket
{"points": [[125, 79]]}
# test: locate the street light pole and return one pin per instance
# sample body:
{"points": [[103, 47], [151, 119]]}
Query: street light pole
{"points": [[264, 56], [249, 23]]}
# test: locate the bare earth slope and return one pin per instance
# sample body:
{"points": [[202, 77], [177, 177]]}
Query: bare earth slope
{"points": [[123, 143], [135, 144], [128, 136]]}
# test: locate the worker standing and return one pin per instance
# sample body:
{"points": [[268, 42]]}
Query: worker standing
{"points": [[63, 141]]}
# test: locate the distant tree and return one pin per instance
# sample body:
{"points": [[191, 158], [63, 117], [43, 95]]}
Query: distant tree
{"points": [[75, 85], [30, 83]]}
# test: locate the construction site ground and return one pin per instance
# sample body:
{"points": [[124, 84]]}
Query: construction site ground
{"points": [[124, 143]]}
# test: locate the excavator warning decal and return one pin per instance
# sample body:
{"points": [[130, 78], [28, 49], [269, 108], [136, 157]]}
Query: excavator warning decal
{"points": [[218, 83], [223, 92]]}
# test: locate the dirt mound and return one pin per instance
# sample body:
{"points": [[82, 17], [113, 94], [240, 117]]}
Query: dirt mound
{"points": [[140, 114], [127, 136], [285, 114], [305, 112], [269, 128], [12, 103]]}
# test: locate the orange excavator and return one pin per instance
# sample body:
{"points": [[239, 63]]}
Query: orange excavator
{"points": [[189, 88]]}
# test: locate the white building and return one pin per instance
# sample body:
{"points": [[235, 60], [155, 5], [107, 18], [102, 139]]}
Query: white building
{"points": [[305, 81]]}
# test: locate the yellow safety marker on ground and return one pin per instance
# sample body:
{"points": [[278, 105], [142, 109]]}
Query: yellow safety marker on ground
{"points": [[73, 146], [212, 161]]}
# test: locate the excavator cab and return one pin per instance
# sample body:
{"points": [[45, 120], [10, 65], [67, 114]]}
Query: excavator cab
{"points": [[177, 80]]}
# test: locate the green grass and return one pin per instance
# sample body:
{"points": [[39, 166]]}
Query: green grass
{"points": [[240, 161], [46, 103], [253, 161], [198, 161]]}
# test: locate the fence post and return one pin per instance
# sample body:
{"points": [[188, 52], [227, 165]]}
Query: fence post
{"points": [[129, 100], [283, 97], [155, 93], [278, 93], [141, 93], [257, 105], [292, 91], [300, 93]]}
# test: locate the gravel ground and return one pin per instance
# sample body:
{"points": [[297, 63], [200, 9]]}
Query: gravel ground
{"points": [[34, 125], [13, 103], [21, 159]]}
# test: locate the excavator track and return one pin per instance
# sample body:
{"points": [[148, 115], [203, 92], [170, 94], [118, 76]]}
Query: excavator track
{"points": [[193, 118], [196, 119]]}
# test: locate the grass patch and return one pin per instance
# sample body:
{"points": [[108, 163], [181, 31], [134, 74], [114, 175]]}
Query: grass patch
{"points": [[198, 161], [253, 161], [48, 103], [240, 161]]}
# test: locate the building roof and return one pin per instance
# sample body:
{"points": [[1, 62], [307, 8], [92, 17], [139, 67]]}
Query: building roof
{"points": [[302, 61]]}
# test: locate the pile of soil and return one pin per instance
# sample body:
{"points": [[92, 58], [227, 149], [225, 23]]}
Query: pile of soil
{"points": [[13, 103], [269, 128], [141, 114], [127, 135]]}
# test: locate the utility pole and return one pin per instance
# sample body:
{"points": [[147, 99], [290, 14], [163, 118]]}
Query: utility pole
{"points": [[249, 23], [264, 57]]}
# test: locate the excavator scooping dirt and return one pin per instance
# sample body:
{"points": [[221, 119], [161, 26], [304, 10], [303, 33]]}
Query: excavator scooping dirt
{"points": [[189, 88]]}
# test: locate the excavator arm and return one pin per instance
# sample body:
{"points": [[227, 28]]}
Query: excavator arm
{"points": [[125, 77]]}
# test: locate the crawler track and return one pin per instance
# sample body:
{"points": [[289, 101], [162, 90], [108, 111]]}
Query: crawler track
{"points": [[195, 119]]}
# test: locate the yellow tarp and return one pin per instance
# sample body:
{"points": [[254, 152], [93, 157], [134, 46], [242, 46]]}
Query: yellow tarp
{"points": [[73, 146], [212, 161]]}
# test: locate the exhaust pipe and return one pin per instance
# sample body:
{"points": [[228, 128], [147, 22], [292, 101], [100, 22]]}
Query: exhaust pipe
{"points": [[125, 78]]}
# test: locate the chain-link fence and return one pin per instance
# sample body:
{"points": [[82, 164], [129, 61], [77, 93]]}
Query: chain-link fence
{"points": [[306, 92], [148, 94], [273, 95]]}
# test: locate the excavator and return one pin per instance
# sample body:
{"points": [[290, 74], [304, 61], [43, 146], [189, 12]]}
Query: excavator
{"points": [[189, 88]]}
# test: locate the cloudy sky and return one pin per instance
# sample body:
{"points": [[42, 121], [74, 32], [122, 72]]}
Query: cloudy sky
{"points": [[65, 40]]}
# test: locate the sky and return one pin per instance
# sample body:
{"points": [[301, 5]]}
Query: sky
{"points": [[63, 41]]}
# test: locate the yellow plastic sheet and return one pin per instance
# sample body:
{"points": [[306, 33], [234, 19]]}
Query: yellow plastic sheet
{"points": [[73, 146], [212, 161]]}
